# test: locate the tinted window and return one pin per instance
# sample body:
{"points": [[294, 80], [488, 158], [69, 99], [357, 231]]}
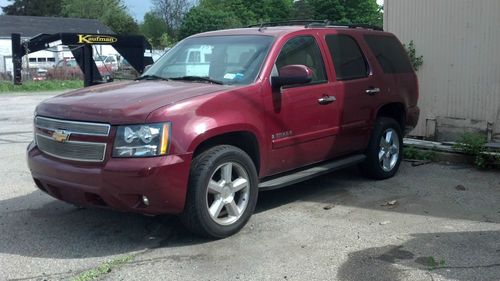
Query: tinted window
{"points": [[347, 57], [303, 50], [389, 53]]}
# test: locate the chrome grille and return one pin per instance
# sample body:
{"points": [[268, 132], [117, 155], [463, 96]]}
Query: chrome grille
{"points": [[72, 150], [81, 128]]}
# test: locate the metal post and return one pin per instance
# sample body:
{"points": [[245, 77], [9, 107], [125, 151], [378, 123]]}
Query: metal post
{"points": [[88, 79], [16, 58]]}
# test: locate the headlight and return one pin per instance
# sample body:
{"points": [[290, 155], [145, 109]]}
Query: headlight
{"points": [[142, 140]]}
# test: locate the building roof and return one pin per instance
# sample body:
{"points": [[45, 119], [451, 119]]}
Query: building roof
{"points": [[31, 26]]}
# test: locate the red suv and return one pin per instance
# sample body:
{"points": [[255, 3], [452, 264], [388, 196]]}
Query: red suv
{"points": [[226, 114]]}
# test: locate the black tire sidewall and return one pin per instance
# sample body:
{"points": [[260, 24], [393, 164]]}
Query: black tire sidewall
{"points": [[371, 167], [199, 183]]}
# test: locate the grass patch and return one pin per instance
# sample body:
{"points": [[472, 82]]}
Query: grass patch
{"points": [[103, 269], [434, 264], [39, 86], [412, 153]]}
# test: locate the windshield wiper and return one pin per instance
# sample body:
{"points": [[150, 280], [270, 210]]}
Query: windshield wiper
{"points": [[197, 78], [151, 77]]}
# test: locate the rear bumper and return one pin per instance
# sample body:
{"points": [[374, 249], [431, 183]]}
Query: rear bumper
{"points": [[117, 183], [412, 116]]}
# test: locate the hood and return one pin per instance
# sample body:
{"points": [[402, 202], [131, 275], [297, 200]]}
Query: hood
{"points": [[121, 102]]}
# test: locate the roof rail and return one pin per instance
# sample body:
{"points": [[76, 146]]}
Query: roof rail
{"points": [[285, 23], [352, 25], [316, 23]]}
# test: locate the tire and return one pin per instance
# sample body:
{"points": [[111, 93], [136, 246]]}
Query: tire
{"points": [[384, 151], [222, 192]]}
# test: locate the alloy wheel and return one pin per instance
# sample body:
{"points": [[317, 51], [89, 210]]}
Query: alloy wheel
{"points": [[388, 155], [228, 193]]}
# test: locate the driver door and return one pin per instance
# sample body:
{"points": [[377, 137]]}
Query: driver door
{"points": [[303, 119]]}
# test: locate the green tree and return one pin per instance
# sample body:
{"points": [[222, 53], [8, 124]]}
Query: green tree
{"points": [[278, 10], [113, 13], [219, 14], [302, 10], [153, 27], [46, 8], [172, 12], [342, 11], [200, 19]]}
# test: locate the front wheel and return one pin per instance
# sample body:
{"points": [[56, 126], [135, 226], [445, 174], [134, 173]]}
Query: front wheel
{"points": [[385, 150], [222, 192]]}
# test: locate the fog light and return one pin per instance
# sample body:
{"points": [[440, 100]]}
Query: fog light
{"points": [[145, 200]]}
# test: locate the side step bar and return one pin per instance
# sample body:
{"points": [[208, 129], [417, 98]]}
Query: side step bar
{"points": [[318, 170]]}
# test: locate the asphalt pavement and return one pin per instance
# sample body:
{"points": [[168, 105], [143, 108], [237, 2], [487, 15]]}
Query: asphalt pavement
{"points": [[431, 222]]}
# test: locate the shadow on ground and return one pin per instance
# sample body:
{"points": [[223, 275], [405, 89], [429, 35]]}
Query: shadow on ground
{"points": [[58, 230], [464, 256]]}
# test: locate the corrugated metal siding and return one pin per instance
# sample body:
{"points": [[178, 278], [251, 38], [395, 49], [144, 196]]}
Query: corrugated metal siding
{"points": [[460, 43]]}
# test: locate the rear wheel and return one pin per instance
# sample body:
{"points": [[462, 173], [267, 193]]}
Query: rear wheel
{"points": [[222, 192], [385, 150]]}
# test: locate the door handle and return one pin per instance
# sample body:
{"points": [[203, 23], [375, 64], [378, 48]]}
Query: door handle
{"points": [[326, 100], [372, 91]]}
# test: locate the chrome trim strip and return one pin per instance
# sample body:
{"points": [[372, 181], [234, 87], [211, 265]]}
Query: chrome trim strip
{"points": [[75, 142], [108, 127]]}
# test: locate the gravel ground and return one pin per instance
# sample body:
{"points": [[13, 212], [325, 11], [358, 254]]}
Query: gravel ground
{"points": [[431, 222]]}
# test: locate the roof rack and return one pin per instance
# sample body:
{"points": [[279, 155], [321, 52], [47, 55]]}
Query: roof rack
{"points": [[316, 23]]}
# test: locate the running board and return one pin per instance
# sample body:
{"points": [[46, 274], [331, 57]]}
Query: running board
{"points": [[318, 170]]}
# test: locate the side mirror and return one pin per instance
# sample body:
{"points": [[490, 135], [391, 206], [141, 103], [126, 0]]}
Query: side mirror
{"points": [[291, 75]]}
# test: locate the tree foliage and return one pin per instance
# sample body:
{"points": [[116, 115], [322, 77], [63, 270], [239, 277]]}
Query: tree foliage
{"points": [[173, 13], [199, 19], [218, 14], [113, 13], [155, 29], [342, 11], [46, 8]]}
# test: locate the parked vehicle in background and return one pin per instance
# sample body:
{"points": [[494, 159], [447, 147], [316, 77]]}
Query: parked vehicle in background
{"points": [[68, 69], [40, 74], [110, 61], [228, 113]]}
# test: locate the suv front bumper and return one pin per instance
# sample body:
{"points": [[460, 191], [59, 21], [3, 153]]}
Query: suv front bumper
{"points": [[117, 183]]}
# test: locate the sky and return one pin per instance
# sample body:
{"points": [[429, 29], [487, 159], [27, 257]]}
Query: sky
{"points": [[137, 8]]}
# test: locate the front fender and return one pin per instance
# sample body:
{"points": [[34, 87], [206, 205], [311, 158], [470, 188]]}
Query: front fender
{"points": [[201, 118]]}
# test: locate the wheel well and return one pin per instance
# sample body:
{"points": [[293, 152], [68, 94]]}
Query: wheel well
{"points": [[395, 111], [245, 141]]}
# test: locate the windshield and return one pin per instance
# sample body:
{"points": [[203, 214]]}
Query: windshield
{"points": [[222, 59]]}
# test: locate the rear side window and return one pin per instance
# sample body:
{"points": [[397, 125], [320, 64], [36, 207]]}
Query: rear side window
{"points": [[347, 57], [389, 53]]}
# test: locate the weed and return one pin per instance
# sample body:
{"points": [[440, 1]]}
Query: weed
{"points": [[473, 144], [411, 152], [102, 269], [433, 263], [416, 61]]}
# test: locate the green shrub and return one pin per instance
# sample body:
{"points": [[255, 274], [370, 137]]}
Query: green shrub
{"points": [[474, 145], [413, 153], [416, 61]]}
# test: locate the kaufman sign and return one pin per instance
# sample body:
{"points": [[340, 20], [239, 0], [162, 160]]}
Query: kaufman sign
{"points": [[95, 39]]}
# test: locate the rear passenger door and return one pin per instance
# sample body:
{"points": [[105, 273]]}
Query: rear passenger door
{"points": [[354, 78]]}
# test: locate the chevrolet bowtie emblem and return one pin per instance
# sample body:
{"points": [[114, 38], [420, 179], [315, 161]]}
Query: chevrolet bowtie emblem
{"points": [[60, 135]]}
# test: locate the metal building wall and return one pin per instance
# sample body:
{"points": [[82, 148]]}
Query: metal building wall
{"points": [[460, 44]]}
